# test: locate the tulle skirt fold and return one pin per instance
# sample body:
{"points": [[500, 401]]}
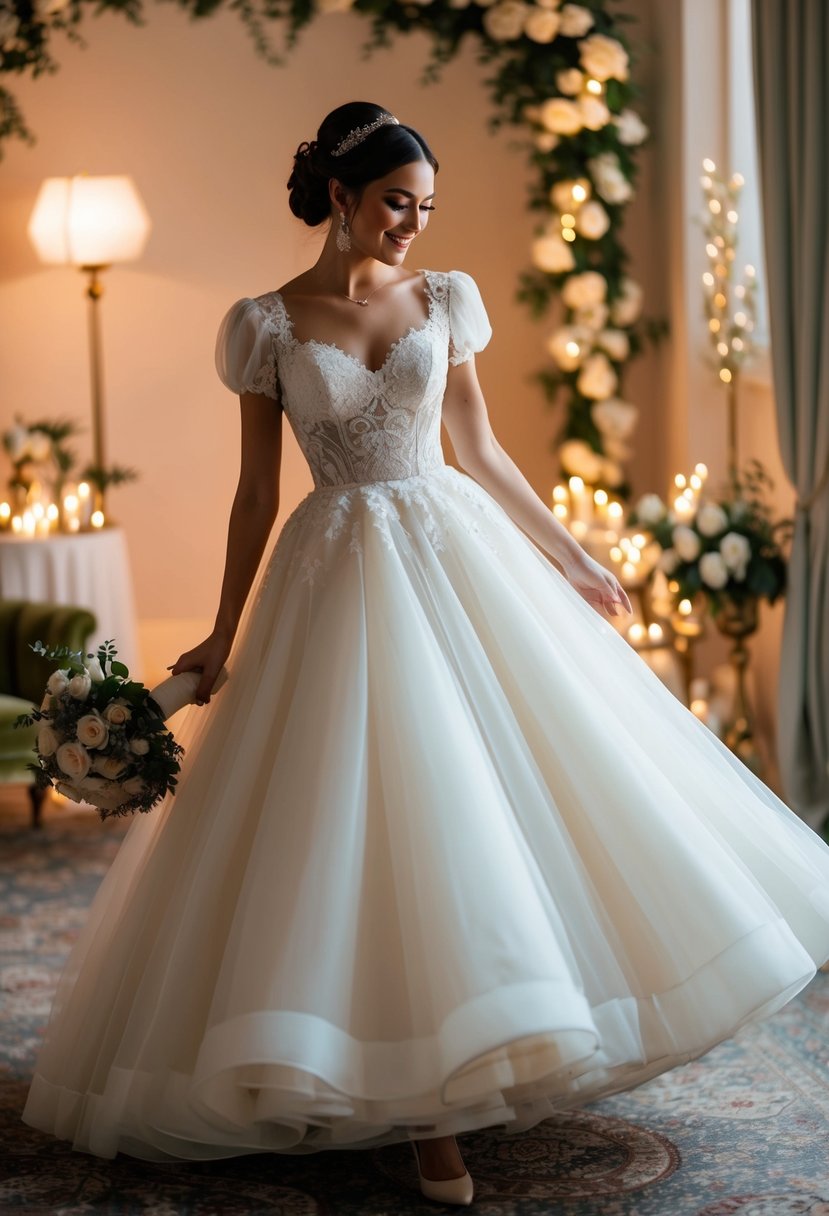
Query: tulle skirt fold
{"points": [[445, 855]]}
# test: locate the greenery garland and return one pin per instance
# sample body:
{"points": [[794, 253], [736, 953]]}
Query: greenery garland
{"points": [[562, 74]]}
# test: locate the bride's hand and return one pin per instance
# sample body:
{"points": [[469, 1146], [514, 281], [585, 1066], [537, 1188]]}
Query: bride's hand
{"points": [[209, 658], [594, 583]]}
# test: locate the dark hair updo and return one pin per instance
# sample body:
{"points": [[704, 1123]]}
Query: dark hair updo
{"points": [[387, 148]]}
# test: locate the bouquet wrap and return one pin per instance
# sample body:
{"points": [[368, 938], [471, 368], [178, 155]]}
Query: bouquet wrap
{"points": [[174, 693]]}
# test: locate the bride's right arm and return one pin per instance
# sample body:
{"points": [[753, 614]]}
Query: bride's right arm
{"points": [[252, 516]]}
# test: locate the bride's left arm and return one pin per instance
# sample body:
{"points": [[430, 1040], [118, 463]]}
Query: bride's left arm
{"points": [[481, 456]]}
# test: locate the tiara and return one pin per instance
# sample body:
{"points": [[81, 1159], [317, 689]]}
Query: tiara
{"points": [[359, 134]]}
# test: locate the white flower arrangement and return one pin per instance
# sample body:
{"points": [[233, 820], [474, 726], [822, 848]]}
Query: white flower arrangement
{"points": [[101, 736]]}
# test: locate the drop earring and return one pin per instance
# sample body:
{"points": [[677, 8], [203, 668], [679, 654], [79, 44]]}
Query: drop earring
{"points": [[344, 235]]}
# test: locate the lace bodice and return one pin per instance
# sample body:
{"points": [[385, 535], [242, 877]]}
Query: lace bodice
{"points": [[355, 425]]}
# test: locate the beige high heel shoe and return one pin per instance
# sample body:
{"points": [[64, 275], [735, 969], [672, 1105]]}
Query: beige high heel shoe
{"points": [[445, 1190]]}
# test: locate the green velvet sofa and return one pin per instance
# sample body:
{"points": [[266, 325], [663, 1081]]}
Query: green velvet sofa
{"points": [[23, 676]]}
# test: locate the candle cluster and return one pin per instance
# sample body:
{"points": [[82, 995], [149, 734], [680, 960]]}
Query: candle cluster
{"points": [[40, 516]]}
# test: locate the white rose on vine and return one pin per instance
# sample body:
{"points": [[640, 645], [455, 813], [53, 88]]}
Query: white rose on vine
{"points": [[505, 20], [711, 519], [686, 542], [579, 460], [609, 179], [631, 129], [614, 417], [616, 449], [669, 561], [569, 336], [597, 379], [575, 20], [545, 141], [561, 116], [552, 254], [570, 81], [542, 25], [604, 58], [584, 289], [594, 112], [616, 343], [736, 552], [627, 306], [713, 570], [592, 221]]}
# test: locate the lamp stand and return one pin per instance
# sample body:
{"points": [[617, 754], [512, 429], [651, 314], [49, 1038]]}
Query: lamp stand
{"points": [[94, 291]]}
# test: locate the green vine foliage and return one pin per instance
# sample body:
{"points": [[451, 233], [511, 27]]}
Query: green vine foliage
{"points": [[526, 74]]}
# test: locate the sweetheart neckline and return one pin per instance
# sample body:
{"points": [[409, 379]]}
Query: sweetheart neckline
{"points": [[370, 371]]}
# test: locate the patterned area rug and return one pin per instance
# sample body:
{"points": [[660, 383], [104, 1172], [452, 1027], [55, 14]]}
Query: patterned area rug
{"points": [[742, 1132]]}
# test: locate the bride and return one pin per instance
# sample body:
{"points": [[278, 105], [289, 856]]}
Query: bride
{"points": [[447, 854]]}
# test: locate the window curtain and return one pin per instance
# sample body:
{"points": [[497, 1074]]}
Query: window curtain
{"points": [[790, 45]]}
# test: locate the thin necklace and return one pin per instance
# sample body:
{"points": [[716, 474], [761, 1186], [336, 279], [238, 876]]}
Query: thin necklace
{"points": [[365, 301]]}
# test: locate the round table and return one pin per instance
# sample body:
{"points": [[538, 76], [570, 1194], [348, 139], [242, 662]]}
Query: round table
{"points": [[88, 569]]}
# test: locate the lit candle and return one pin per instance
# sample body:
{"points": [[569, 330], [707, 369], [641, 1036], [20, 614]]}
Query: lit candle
{"points": [[97, 519], [5, 514]]}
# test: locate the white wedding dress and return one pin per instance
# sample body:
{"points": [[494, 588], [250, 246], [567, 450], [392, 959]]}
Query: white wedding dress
{"points": [[446, 854]]}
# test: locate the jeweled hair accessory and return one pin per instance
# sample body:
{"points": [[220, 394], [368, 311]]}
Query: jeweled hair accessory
{"points": [[357, 136]]}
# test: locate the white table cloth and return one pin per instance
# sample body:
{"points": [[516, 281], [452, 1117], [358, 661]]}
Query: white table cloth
{"points": [[89, 569]]}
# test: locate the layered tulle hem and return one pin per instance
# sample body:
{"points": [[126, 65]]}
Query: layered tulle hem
{"points": [[293, 1083]]}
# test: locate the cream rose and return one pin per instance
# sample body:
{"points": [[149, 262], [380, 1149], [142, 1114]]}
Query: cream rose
{"points": [[711, 519], [626, 308], [579, 460], [583, 289], [592, 221], [597, 378], [569, 336], [57, 682], [609, 179], [612, 473], [575, 20], [134, 786], [603, 57], [46, 703], [47, 740], [542, 25], [650, 509], [631, 129], [669, 561], [73, 759], [713, 570], [505, 20], [561, 116], [736, 551], [570, 81], [616, 343], [615, 418], [545, 141], [616, 449], [79, 686], [552, 253], [93, 730], [118, 712], [109, 766], [594, 112], [139, 747], [686, 542]]}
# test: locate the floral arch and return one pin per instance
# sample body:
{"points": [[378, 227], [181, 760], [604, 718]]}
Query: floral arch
{"points": [[561, 73]]}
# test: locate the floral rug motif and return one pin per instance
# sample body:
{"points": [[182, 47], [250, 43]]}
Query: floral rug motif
{"points": [[742, 1132]]}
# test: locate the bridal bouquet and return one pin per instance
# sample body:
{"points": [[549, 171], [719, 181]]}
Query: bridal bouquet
{"points": [[101, 736]]}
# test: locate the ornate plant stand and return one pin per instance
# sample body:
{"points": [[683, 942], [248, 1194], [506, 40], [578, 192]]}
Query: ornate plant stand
{"points": [[738, 620]]}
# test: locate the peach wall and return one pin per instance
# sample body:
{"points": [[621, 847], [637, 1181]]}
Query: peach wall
{"points": [[207, 130]]}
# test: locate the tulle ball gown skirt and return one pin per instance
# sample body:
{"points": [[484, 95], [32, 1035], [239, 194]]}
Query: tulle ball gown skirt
{"points": [[446, 855]]}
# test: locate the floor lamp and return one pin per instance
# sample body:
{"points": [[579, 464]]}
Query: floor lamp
{"points": [[91, 223]]}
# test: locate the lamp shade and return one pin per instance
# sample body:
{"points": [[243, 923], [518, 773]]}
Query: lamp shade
{"points": [[89, 221]]}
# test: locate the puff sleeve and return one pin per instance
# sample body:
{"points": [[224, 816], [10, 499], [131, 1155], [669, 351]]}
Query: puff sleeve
{"points": [[469, 326], [245, 358]]}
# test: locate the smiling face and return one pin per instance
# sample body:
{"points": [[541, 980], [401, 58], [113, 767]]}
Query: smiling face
{"points": [[390, 212]]}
